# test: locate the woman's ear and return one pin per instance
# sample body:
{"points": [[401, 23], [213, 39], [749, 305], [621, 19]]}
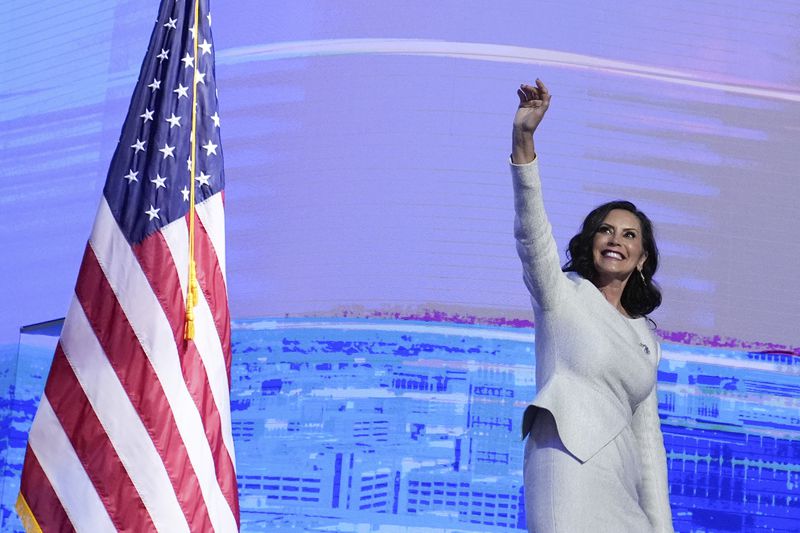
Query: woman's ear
{"points": [[642, 261]]}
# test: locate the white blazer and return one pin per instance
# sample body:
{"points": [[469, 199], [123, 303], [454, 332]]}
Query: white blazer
{"points": [[595, 369]]}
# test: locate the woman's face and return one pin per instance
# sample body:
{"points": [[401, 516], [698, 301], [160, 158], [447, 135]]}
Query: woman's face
{"points": [[618, 249]]}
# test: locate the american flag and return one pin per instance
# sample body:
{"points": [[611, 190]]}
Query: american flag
{"points": [[133, 431]]}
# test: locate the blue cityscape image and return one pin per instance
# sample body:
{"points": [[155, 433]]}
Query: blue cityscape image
{"points": [[372, 425]]}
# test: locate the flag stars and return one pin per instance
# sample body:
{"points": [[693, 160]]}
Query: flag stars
{"points": [[210, 148], [209, 18], [170, 24], [155, 85], [200, 77], [131, 176], [147, 115], [215, 118], [185, 192], [158, 181], [167, 150], [174, 121], [181, 91], [191, 30], [205, 47], [153, 212], [163, 55], [188, 60], [203, 178], [138, 146]]}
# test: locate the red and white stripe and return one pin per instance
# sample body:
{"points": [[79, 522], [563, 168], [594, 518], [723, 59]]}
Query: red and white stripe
{"points": [[134, 428]]}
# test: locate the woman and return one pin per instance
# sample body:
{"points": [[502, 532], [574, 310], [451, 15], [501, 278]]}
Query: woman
{"points": [[594, 457]]}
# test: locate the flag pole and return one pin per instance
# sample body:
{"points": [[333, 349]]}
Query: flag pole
{"points": [[191, 289]]}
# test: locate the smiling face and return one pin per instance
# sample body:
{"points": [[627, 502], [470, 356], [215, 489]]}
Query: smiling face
{"points": [[617, 247]]}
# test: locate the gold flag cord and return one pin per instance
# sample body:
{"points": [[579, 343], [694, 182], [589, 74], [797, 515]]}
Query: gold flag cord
{"points": [[26, 515], [192, 286]]}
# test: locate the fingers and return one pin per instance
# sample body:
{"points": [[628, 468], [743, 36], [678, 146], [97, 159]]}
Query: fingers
{"points": [[545, 94], [528, 94], [541, 86]]}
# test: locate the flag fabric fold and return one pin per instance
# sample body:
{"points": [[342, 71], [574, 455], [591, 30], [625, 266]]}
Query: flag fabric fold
{"points": [[133, 431]]}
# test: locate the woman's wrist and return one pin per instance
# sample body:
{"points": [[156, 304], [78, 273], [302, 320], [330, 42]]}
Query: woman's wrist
{"points": [[522, 147]]}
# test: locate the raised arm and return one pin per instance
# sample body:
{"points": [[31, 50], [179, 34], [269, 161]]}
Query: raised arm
{"points": [[535, 244]]}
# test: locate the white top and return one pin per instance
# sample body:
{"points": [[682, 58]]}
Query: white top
{"points": [[595, 368]]}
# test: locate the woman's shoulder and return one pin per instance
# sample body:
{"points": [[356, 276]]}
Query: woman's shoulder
{"points": [[576, 278], [579, 283]]}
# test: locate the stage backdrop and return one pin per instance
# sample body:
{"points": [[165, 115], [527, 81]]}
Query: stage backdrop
{"points": [[370, 235]]}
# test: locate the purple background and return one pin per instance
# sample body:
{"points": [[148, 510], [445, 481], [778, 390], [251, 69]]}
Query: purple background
{"points": [[366, 148]]}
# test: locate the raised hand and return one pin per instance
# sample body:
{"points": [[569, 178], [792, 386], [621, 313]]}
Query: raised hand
{"points": [[533, 103]]}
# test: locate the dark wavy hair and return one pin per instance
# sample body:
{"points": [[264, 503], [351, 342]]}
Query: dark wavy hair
{"points": [[639, 298]]}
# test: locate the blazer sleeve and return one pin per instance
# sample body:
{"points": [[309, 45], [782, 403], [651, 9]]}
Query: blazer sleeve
{"points": [[654, 489], [535, 244]]}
